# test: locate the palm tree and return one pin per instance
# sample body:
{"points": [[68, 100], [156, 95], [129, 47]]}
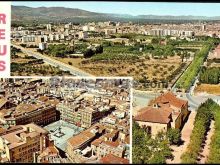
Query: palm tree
{"points": [[187, 55], [183, 55]]}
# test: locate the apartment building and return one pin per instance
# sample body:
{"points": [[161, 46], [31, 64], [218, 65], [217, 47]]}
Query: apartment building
{"points": [[40, 114], [42, 45], [48, 27], [69, 111], [28, 38], [84, 112], [110, 147], [171, 32], [91, 115], [109, 31], [77, 146], [82, 35], [19, 143], [4, 103]]}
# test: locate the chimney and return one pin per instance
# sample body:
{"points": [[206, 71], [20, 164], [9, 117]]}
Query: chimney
{"points": [[156, 106]]}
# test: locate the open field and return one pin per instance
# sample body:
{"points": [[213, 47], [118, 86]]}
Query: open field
{"points": [[208, 88], [151, 69], [215, 65], [151, 63], [146, 58], [70, 61], [23, 65]]}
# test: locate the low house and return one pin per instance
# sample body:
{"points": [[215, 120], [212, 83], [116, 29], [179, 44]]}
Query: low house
{"points": [[164, 112]]}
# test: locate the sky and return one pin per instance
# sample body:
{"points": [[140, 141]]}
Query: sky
{"points": [[134, 8]]}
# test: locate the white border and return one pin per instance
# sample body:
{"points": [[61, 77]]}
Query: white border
{"points": [[5, 8]]}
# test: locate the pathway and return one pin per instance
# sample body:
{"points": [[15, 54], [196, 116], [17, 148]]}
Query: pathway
{"points": [[205, 152], [186, 133]]}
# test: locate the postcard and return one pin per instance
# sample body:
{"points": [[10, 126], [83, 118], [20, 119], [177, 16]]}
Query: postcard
{"points": [[109, 82]]}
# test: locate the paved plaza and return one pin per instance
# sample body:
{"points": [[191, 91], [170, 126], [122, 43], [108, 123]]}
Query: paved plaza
{"points": [[61, 131]]}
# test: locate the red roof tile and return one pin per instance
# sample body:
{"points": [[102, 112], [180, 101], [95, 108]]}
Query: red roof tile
{"points": [[112, 159], [97, 142], [112, 144], [169, 98], [156, 115]]}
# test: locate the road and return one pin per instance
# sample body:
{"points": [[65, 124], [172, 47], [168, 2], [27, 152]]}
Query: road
{"points": [[141, 98], [73, 70], [196, 100]]}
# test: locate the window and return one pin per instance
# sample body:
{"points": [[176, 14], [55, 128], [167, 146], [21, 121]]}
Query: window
{"points": [[148, 129]]}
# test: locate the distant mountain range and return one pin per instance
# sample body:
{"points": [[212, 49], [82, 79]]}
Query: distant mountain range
{"points": [[182, 17], [62, 14], [23, 12]]}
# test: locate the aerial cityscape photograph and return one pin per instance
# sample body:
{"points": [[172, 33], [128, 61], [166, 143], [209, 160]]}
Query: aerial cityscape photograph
{"points": [[158, 100], [47, 120]]}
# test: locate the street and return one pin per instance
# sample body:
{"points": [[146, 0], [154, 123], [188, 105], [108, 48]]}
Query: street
{"points": [[73, 70]]}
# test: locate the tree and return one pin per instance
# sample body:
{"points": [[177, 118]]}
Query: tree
{"points": [[99, 49], [214, 155], [201, 125], [158, 158], [155, 41], [140, 138], [174, 136], [23, 45], [210, 75], [88, 53], [149, 47], [182, 55], [149, 150], [169, 50], [187, 56]]}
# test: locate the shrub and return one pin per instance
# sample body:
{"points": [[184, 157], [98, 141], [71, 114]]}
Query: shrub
{"points": [[174, 136]]}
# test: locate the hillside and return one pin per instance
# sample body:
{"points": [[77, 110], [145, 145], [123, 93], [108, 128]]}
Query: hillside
{"points": [[62, 14], [50, 13]]}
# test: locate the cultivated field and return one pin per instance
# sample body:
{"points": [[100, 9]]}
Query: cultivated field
{"points": [[208, 88]]}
